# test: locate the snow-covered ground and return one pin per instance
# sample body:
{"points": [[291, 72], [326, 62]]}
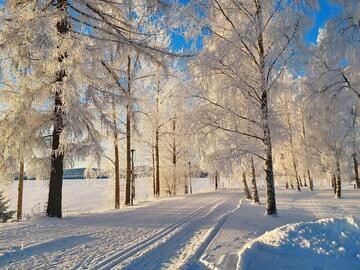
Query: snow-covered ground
{"points": [[83, 196], [164, 234], [325, 244], [249, 222], [200, 231]]}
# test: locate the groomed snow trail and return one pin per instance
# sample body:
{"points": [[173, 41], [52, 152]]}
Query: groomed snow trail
{"points": [[160, 235]]}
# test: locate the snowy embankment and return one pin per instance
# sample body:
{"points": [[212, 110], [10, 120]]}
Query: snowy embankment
{"points": [[249, 222], [329, 244]]}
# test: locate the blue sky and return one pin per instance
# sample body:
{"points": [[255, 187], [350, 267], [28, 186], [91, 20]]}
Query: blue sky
{"points": [[327, 10]]}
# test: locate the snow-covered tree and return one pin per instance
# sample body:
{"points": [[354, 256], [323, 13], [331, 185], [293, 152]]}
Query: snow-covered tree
{"points": [[331, 129], [60, 46], [249, 46], [332, 71], [338, 50], [163, 115], [5, 215]]}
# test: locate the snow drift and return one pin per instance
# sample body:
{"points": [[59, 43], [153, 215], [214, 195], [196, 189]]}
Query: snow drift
{"points": [[324, 244]]}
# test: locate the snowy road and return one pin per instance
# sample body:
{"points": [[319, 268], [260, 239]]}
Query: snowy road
{"points": [[160, 235], [176, 233]]}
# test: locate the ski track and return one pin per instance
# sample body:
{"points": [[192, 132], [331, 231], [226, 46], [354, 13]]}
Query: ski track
{"points": [[186, 247], [152, 242], [188, 232], [117, 239]]}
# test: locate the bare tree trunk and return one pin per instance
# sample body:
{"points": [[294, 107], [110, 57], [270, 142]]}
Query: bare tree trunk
{"points": [[253, 182], [292, 150], [338, 179], [270, 187], [354, 155], [128, 139], [190, 181], [54, 208], [285, 171], [57, 157], [246, 188], [174, 158], [298, 186], [128, 158], [356, 171], [20, 192], [216, 180], [132, 178], [305, 184], [116, 158], [157, 158], [117, 171], [311, 183], [333, 183], [286, 179], [269, 172], [154, 170]]}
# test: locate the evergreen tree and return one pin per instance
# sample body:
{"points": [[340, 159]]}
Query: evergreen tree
{"points": [[5, 215]]}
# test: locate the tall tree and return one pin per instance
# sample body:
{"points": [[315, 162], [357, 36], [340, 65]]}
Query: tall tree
{"points": [[59, 43], [255, 194], [57, 157], [251, 44], [19, 209], [246, 187]]}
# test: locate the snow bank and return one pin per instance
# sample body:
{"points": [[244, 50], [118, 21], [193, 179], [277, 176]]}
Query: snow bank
{"points": [[325, 244]]}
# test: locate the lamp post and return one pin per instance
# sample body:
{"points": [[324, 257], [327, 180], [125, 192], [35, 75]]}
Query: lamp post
{"points": [[132, 177], [190, 177]]}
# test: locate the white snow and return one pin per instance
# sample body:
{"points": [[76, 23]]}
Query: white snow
{"points": [[84, 196], [249, 222], [207, 230], [324, 244], [153, 235]]}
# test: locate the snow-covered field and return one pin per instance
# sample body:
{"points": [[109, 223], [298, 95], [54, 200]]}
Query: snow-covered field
{"points": [[207, 230], [83, 196]]}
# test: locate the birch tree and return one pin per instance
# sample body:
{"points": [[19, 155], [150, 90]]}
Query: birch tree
{"points": [[51, 39], [250, 44]]}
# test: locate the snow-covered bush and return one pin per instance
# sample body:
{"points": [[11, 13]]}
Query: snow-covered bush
{"points": [[37, 211]]}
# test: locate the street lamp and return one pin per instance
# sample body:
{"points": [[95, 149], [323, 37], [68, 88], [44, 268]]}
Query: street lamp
{"points": [[190, 177], [132, 177]]}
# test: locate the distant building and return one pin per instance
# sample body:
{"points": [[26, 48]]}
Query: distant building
{"points": [[84, 173], [77, 173]]}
